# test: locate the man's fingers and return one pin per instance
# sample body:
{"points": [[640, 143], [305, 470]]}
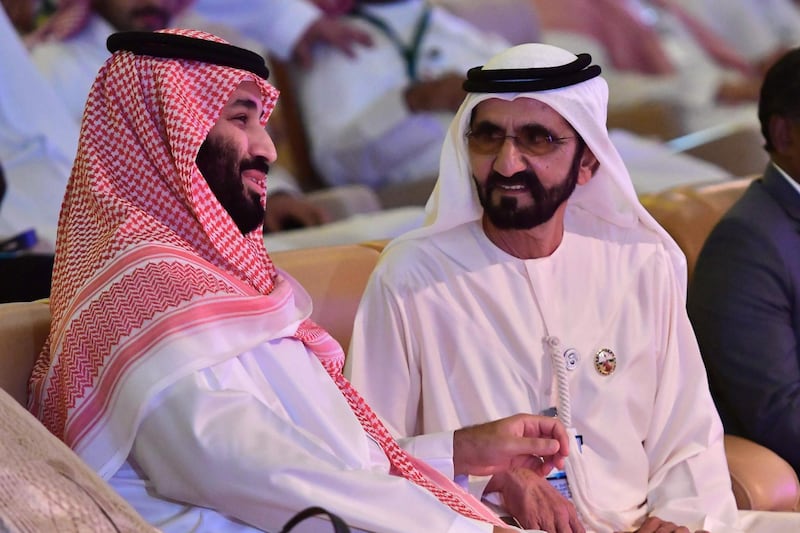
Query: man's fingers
{"points": [[564, 520], [543, 521], [549, 463], [544, 426], [575, 524], [653, 524], [541, 447]]}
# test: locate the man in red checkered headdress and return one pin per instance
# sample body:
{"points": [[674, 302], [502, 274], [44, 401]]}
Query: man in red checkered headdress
{"points": [[181, 365]]}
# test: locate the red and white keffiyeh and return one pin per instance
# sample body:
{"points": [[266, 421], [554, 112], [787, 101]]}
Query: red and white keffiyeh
{"points": [[149, 265]]}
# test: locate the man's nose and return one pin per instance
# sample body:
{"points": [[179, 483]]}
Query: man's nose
{"points": [[509, 159], [261, 144]]}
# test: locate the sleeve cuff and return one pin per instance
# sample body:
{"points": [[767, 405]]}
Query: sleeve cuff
{"points": [[436, 449]]}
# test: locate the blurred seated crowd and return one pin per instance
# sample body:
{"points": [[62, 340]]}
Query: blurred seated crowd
{"points": [[370, 87]]}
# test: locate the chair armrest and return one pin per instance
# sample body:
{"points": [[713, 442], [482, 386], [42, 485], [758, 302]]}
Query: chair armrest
{"points": [[761, 479]]}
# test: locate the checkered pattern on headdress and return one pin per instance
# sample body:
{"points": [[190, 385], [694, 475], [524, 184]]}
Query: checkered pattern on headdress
{"points": [[135, 185], [145, 253]]}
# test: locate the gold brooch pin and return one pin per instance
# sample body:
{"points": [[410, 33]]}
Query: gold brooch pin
{"points": [[605, 362]]}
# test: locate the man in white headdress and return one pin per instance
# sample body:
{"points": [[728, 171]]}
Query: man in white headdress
{"points": [[539, 283]]}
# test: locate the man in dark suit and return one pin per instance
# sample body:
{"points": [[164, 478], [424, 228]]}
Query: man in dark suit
{"points": [[744, 300]]}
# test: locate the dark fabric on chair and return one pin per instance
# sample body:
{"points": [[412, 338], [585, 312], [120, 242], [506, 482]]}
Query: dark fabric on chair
{"points": [[25, 277]]}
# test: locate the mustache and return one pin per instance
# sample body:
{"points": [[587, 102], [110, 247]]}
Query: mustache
{"points": [[257, 163], [526, 178]]}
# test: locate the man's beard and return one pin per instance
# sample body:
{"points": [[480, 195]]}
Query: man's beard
{"points": [[507, 214], [220, 165]]}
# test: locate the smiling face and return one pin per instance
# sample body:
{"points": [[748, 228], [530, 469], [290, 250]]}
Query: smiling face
{"points": [[235, 157], [525, 177]]}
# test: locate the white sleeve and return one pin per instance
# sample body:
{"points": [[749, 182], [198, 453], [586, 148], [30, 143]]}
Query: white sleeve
{"points": [[276, 24], [689, 483], [390, 381], [212, 442]]}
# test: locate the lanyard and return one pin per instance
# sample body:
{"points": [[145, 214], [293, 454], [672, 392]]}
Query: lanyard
{"points": [[408, 53]]}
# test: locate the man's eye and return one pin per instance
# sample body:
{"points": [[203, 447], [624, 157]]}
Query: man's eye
{"points": [[533, 138], [489, 135]]}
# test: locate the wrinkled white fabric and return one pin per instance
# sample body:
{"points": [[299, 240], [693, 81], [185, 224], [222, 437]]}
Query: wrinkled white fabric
{"points": [[699, 72]]}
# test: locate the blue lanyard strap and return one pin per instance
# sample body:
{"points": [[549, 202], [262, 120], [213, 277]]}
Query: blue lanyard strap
{"points": [[408, 53]]}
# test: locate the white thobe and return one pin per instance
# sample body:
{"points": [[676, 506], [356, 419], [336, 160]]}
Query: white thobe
{"points": [[265, 434], [450, 332]]}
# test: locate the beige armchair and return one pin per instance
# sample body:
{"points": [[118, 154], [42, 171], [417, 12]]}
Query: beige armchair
{"points": [[690, 212]]}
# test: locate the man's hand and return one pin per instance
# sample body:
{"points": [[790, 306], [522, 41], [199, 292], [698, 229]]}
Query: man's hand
{"points": [[440, 94], [535, 503], [331, 31], [656, 525], [536, 442], [286, 211]]}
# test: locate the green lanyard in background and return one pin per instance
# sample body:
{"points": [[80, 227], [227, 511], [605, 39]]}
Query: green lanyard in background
{"points": [[408, 53]]}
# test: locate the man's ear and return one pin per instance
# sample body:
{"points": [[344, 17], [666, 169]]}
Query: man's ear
{"points": [[589, 165], [779, 128]]}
